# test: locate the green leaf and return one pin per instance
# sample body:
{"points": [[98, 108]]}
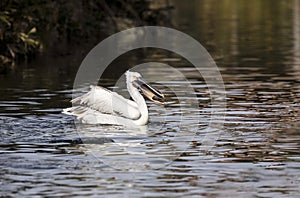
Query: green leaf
{"points": [[33, 30], [5, 19]]}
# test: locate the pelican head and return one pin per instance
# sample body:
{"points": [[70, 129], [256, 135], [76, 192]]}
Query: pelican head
{"points": [[144, 87]]}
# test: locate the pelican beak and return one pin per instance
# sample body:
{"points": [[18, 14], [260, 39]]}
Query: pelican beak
{"points": [[150, 92]]}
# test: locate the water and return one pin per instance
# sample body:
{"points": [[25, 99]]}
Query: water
{"points": [[256, 153]]}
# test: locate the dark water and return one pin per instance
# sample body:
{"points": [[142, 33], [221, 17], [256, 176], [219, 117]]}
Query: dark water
{"points": [[257, 48]]}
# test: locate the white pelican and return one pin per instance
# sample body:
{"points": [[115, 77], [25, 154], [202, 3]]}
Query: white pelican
{"points": [[102, 106]]}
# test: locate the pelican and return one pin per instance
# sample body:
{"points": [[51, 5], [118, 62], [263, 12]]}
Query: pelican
{"points": [[102, 106]]}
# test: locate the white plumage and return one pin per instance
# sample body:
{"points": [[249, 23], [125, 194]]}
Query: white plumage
{"points": [[102, 106]]}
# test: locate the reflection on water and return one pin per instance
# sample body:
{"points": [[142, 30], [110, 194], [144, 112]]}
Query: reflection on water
{"points": [[257, 154]]}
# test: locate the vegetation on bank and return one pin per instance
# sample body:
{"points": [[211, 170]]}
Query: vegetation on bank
{"points": [[30, 26]]}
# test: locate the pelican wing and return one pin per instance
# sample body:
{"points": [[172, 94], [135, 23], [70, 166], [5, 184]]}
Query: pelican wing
{"points": [[90, 116], [108, 102]]}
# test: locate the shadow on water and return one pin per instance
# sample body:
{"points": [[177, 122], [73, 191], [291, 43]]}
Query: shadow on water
{"points": [[256, 46]]}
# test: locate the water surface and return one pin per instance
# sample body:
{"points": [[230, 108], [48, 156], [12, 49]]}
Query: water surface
{"points": [[257, 151]]}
